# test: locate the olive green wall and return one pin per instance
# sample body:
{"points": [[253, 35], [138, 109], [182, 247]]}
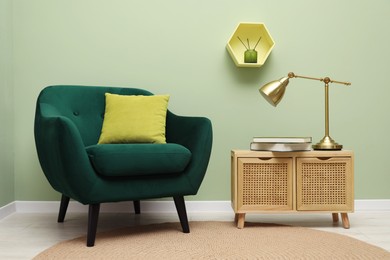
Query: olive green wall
{"points": [[7, 193], [178, 47]]}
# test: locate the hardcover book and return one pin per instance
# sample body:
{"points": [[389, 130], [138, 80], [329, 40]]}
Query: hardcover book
{"points": [[280, 147], [282, 139]]}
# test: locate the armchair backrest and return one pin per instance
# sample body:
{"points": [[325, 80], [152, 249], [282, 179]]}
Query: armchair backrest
{"points": [[84, 105]]}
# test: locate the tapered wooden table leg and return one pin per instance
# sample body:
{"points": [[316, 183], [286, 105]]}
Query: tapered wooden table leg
{"points": [[335, 217], [240, 220], [344, 218]]}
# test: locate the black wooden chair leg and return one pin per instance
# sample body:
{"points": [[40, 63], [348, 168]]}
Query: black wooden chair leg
{"points": [[93, 216], [181, 211], [137, 207], [63, 208]]}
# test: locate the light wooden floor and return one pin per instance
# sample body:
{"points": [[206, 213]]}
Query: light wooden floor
{"points": [[24, 235]]}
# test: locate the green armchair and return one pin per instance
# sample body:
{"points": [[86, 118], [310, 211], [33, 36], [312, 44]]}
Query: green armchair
{"points": [[68, 122]]}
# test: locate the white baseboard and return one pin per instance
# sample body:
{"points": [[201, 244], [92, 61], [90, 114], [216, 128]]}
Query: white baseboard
{"points": [[7, 210], [372, 205], [122, 207], [156, 207]]}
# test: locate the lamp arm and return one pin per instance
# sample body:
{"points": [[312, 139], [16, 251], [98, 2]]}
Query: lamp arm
{"points": [[326, 79]]}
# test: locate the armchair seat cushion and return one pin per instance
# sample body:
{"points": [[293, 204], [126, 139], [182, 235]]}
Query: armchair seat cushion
{"points": [[119, 160]]}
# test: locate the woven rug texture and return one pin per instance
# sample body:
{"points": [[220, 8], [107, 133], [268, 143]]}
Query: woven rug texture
{"points": [[216, 240]]}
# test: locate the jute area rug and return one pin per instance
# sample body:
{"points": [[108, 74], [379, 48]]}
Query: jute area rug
{"points": [[216, 240]]}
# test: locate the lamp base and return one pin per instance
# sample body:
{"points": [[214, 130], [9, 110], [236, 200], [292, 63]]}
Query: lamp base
{"points": [[327, 143]]}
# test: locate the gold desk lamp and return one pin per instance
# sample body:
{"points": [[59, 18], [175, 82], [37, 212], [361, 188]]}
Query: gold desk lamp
{"points": [[273, 92]]}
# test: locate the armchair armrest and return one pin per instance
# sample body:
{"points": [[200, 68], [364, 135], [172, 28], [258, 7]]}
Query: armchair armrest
{"points": [[195, 133], [62, 154]]}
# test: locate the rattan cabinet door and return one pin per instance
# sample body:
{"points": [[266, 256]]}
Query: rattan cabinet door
{"points": [[325, 184], [265, 184]]}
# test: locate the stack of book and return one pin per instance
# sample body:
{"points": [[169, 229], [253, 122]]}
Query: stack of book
{"points": [[281, 144]]}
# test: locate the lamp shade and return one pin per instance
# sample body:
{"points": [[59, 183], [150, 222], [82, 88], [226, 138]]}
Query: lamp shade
{"points": [[273, 91]]}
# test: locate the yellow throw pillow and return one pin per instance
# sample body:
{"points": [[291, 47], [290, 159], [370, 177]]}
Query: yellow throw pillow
{"points": [[134, 119]]}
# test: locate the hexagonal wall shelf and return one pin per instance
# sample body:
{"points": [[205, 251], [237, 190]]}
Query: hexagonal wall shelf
{"points": [[250, 33]]}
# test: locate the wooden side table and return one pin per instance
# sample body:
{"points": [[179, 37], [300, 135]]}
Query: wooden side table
{"points": [[291, 182]]}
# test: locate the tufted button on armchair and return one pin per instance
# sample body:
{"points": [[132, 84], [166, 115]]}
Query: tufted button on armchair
{"points": [[68, 123]]}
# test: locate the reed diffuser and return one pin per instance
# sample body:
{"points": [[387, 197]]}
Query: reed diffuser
{"points": [[250, 55]]}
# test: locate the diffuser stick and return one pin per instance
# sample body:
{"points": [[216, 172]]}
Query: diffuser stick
{"points": [[242, 42], [257, 43]]}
